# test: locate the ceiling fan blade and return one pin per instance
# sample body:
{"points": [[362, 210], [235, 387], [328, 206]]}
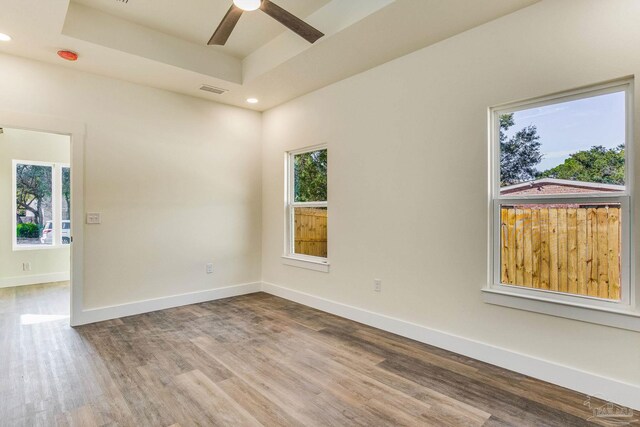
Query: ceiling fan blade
{"points": [[226, 26], [290, 21]]}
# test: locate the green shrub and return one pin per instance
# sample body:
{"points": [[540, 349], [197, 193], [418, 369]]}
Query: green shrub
{"points": [[28, 231]]}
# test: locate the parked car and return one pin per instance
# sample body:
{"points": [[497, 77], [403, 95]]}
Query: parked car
{"points": [[47, 233]]}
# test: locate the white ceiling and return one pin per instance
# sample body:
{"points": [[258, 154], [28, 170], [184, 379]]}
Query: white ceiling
{"points": [[196, 20], [162, 43]]}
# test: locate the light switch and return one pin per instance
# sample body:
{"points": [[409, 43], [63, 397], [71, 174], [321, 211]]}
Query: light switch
{"points": [[93, 218]]}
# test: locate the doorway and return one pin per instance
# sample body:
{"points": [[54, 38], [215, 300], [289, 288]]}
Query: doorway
{"points": [[35, 254]]}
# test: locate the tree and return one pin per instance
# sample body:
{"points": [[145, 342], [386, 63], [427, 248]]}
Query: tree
{"points": [[66, 190], [311, 176], [33, 186], [597, 164], [519, 154]]}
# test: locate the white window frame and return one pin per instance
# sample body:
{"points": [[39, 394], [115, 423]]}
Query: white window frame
{"points": [[624, 313], [290, 257], [56, 205]]}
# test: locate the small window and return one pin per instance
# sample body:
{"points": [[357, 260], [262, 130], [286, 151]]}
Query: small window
{"points": [[307, 208], [560, 197], [42, 197]]}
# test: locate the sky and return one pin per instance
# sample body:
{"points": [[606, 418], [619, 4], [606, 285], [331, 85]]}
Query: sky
{"points": [[568, 127]]}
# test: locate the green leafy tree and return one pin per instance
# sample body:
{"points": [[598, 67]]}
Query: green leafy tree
{"points": [[597, 164], [66, 190], [33, 186], [519, 154], [311, 176]]}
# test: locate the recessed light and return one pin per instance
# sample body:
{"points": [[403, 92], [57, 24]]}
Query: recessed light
{"points": [[252, 100], [247, 4], [5, 37]]}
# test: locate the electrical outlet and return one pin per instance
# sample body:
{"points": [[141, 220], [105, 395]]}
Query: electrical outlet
{"points": [[377, 285], [209, 268], [26, 266]]}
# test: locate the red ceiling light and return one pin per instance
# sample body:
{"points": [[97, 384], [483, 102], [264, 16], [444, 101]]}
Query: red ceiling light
{"points": [[68, 55]]}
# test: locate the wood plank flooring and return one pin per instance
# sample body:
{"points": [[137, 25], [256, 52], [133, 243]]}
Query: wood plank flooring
{"points": [[248, 361]]}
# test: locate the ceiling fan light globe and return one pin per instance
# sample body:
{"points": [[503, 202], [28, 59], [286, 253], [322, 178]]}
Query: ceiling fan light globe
{"points": [[247, 5]]}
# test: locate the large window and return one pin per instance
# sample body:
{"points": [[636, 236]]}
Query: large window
{"points": [[560, 198], [42, 205], [307, 207]]}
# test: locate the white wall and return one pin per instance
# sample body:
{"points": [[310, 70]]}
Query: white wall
{"points": [[408, 176], [45, 263], [177, 181]]}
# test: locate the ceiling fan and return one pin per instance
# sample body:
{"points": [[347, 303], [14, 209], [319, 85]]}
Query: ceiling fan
{"points": [[290, 21]]}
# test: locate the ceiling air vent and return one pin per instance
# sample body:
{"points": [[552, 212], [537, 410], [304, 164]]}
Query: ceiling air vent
{"points": [[213, 89]]}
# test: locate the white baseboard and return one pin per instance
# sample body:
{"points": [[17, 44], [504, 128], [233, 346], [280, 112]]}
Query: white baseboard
{"points": [[564, 376], [34, 279], [138, 307]]}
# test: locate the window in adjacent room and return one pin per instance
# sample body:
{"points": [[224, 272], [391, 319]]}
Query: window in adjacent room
{"points": [[42, 197], [561, 196], [307, 207]]}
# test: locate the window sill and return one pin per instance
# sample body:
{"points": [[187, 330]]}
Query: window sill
{"points": [[39, 247], [322, 266], [617, 318]]}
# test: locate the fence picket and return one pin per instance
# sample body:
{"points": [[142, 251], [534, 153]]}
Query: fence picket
{"points": [[519, 246], [553, 249], [535, 246], [572, 251], [511, 243], [545, 255], [528, 256], [592, 252], [603, 253], [562, 250], [581, 241], [614, 253]]}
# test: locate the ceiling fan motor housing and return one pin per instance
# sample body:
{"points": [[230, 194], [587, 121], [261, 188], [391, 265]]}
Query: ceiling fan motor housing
{"points": [[247, 5]]}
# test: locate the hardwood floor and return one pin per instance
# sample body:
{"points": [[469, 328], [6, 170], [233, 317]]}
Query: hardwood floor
{"points": [[250, 360]]}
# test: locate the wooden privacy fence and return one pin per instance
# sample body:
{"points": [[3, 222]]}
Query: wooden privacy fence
{"points": [[566, 249], [310, 236]]}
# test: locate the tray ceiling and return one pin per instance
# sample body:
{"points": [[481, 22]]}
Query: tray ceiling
{"points": [[162, 43]]}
